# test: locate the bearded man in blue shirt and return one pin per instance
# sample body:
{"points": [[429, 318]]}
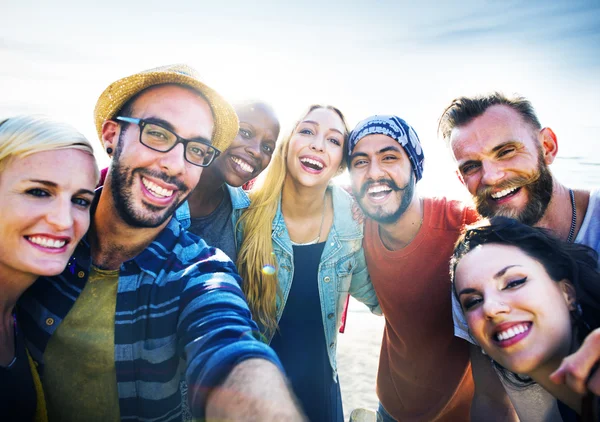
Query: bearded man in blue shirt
{"points": [[143, 304]]}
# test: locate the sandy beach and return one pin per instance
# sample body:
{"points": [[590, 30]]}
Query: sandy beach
{"points": [[358, 357]]}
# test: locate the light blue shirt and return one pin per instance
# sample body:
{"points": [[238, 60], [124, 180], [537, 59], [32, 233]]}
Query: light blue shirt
{"points": [[342, 270]]}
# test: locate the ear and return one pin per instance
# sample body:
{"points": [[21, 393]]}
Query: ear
{"points": [[549, 144], [460, 178], [110, 134], [568, 291]]}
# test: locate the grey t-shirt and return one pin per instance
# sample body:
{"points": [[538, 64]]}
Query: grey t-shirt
{"points": [[216, 228]]}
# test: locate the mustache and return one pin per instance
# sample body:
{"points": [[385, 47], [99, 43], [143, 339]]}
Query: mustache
{"points": [[519, 181], [389, 182], [167, 179]]}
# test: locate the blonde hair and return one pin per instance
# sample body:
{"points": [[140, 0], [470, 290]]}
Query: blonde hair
{"points": [[21, 136], [256, 252]]}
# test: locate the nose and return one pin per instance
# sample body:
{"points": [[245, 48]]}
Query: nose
{"points": [[375, 171], [173, 162], [317, 144], [60, 216], [492, 307], [253, 147], [492, 173]]}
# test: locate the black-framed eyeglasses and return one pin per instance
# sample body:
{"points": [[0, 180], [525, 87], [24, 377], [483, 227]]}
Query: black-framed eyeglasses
{"points": [[158, 138]]}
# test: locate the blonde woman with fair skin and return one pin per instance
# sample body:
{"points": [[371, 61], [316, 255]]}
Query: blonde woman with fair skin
{"points": [[301, 256], [47, 179]]}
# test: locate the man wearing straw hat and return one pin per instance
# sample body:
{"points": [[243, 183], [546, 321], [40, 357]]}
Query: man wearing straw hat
{"points": [[142, 303]]}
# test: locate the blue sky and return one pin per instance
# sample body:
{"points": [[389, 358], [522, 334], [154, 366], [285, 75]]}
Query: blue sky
{"points": [[366, 57]]}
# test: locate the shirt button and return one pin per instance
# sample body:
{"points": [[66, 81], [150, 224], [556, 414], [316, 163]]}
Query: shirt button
{"points": [[81, 274], [49, 321], [327, 279], [330, 316]]}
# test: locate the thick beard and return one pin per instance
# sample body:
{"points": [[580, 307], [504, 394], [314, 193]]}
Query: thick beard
{"points": [[407, 195], [120, 184], [539, 186]]}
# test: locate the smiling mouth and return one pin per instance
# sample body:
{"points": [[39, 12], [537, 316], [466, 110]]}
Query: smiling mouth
{"points": [[156, 190], [313, 164], [505, 193], [243, 165], [46, 242], [512, 332], [378, 191]]}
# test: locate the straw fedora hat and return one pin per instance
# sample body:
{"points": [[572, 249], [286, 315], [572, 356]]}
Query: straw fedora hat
{"points": [[118, 93]]}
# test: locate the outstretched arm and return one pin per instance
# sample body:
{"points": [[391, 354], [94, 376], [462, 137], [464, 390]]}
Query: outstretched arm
{"points": [[229, 371], [255, 390]]}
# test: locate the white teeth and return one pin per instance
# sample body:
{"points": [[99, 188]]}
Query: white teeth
{"points": [[47, 242], [379, 188], [157, 190], [503, 193], [512, 331], [315, 163], [243, 165]]}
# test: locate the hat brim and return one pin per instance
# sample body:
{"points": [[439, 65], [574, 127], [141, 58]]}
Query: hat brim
{"points": [[114, 97]]}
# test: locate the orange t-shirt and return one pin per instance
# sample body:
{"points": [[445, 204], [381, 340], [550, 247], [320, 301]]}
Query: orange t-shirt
{"points": [[424, 370]]}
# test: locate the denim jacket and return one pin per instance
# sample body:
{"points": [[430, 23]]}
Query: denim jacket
{"points": [[239, 202], [342, 270]]}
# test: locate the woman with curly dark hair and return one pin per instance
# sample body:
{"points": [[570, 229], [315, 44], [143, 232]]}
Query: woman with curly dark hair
{"points": [[532, 302]]}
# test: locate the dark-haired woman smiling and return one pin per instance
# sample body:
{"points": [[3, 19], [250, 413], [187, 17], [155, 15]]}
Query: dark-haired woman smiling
{"points": [[530, 301]]}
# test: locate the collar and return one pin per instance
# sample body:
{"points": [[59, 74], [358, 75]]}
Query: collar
{"points": [[343, 223], [151, 260]]}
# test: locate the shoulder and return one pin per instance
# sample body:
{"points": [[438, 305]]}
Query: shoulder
{"points": [[450, 214], [589, 232], [186, 255], [239, 197], [594, 203], [341, 196], [342, 206]]}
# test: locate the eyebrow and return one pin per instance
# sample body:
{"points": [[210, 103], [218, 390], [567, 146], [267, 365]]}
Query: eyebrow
{"points": [[55, 185], [496, 276], [467, 291], [390, 148], [381, 151], [494, 150], [169, 126], [503, 144], [317, 124], [504, 270]]}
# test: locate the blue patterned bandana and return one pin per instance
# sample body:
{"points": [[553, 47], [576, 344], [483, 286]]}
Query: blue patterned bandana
{"points": [[395, 128]]}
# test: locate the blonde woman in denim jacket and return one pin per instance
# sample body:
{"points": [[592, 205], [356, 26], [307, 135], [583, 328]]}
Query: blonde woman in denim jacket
{"points": [[301, 255]]}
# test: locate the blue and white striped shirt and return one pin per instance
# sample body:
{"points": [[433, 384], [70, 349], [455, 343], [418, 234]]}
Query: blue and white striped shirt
{"points": [[180, 313]]}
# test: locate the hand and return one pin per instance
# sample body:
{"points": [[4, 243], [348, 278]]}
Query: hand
{"points": [[578, 371]]}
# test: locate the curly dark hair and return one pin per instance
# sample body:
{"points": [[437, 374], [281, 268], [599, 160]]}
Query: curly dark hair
{"points": [[562, 260]]}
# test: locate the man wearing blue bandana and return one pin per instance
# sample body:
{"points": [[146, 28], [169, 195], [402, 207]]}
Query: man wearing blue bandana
{"points": [[424, 371]]}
